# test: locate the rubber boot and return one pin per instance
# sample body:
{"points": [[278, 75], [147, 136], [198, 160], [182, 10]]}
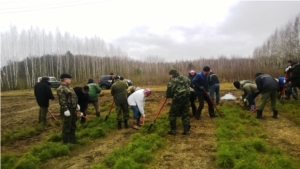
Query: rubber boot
{"points": [[275, 113], [172, 131], [119, 124], [186, 129], [259, 114], [213, 114], [125, 124], [97, 114], [73, 139], [135, 124], [66, 137]]}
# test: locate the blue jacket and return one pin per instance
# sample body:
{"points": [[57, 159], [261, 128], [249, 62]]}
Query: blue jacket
{"points": [[200, 80]]}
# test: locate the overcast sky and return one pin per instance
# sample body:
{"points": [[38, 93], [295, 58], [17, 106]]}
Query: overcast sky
{"points": [[174, 30]]}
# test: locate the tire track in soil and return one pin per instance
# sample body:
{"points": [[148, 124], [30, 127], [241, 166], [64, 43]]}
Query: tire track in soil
{"points": [[282, 133]]}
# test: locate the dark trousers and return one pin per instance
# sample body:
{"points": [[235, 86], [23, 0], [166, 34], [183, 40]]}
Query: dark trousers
{"points": [[122, 111], [201, 99], [43, 115], [192, 100], [180, 108]]}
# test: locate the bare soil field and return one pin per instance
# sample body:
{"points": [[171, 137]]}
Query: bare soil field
{"points": [[196, 150]]}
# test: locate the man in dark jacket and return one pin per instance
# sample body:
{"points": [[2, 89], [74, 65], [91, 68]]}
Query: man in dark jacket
{"points": [[43, 94], [291, 89], [119, 93], [83, 100], [179, 90], [214, 87], [294, 80], [200, 83], [191, 76], [269, 88]]}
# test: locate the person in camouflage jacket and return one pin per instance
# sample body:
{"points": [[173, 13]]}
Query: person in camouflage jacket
{"points": [[68, 102], [179, 90], [119, 93]]}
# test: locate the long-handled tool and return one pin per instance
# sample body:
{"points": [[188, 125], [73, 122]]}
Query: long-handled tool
{"points": [[52, 115], [143, 120], [157, 114], [213, 104], [82, 116], [112, 103], [253, 111]]}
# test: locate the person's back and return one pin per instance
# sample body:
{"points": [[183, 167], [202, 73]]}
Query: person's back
{"points": [[94, 90], [214, 87]]}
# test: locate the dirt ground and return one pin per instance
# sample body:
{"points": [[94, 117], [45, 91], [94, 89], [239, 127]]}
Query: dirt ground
{"points": [[196, 150]]}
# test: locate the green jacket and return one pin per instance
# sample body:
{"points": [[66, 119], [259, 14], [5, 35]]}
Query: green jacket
{"points": [[119, 92], [67, 97], [93, 92], [248, 87], [178, 87]]}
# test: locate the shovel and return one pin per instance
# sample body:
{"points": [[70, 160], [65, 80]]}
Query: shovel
{"points": [[213, 104], [112, 103], [157, 114]]}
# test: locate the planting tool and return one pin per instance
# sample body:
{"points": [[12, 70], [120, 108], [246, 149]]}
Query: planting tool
{"points": [[157, 114], [143, 120], [78, 112], [52, 115], [213, 104], [112, 103], [253, 111]]}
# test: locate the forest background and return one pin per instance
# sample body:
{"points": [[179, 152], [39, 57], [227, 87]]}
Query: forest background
{"points": [[32, 53]]}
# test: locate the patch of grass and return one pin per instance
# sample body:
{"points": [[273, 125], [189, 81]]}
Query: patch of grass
{"points": [[290, 109], [8, 160], [28, 161], [11, 136], [50, 150], [243, 146]]}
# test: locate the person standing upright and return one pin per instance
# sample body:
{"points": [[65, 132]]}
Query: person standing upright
{"points": [[43, 94], [191, 76], [94, 90], [200, 83], [214, 87], [83, 100], [68, 102], [119, 93], [268, 87], [179, 90]]}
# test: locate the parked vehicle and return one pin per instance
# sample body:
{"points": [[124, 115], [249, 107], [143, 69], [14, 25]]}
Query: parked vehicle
{"points": [[106, 81], [52, 80]]}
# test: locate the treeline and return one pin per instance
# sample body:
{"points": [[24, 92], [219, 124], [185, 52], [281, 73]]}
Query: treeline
{"points": [[51, 55]]}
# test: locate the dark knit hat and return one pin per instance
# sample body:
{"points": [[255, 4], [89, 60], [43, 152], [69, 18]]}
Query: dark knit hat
{"points": [[290, 61], [111, 74], [64, 75], [91, 80], [86, 88], [206, 69], [257, 74], [237, 84], [172, 71], [121, 78]]}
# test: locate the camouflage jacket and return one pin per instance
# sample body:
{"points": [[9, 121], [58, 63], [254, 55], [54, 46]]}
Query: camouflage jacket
{"points": [[178, 87], [67, 97]]}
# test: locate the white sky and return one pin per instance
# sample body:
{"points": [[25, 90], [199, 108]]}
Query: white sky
{"points": [[174, 30]]}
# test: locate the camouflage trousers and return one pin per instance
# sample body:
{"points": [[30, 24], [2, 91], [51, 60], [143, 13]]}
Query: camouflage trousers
{"points": [[180, 108], [43, 115], [272, 95], [122, 111], [69, 126]]}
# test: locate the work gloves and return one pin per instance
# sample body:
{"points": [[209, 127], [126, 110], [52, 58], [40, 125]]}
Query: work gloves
{"points": [[81, 114], [289, 67], [245, 100], [67, 113], [78, 107], [144, 115], [202, 88]]}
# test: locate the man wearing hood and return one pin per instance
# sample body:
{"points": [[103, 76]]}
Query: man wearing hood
{"points": [[43, 94]]}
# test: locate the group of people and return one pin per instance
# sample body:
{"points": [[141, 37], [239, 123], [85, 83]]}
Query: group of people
{"points": [[270, 88], [181, 89], [75, 101]]}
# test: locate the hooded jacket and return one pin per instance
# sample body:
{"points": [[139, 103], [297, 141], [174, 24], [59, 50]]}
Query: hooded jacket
{"points": [[265, 83], [43, 93]]}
